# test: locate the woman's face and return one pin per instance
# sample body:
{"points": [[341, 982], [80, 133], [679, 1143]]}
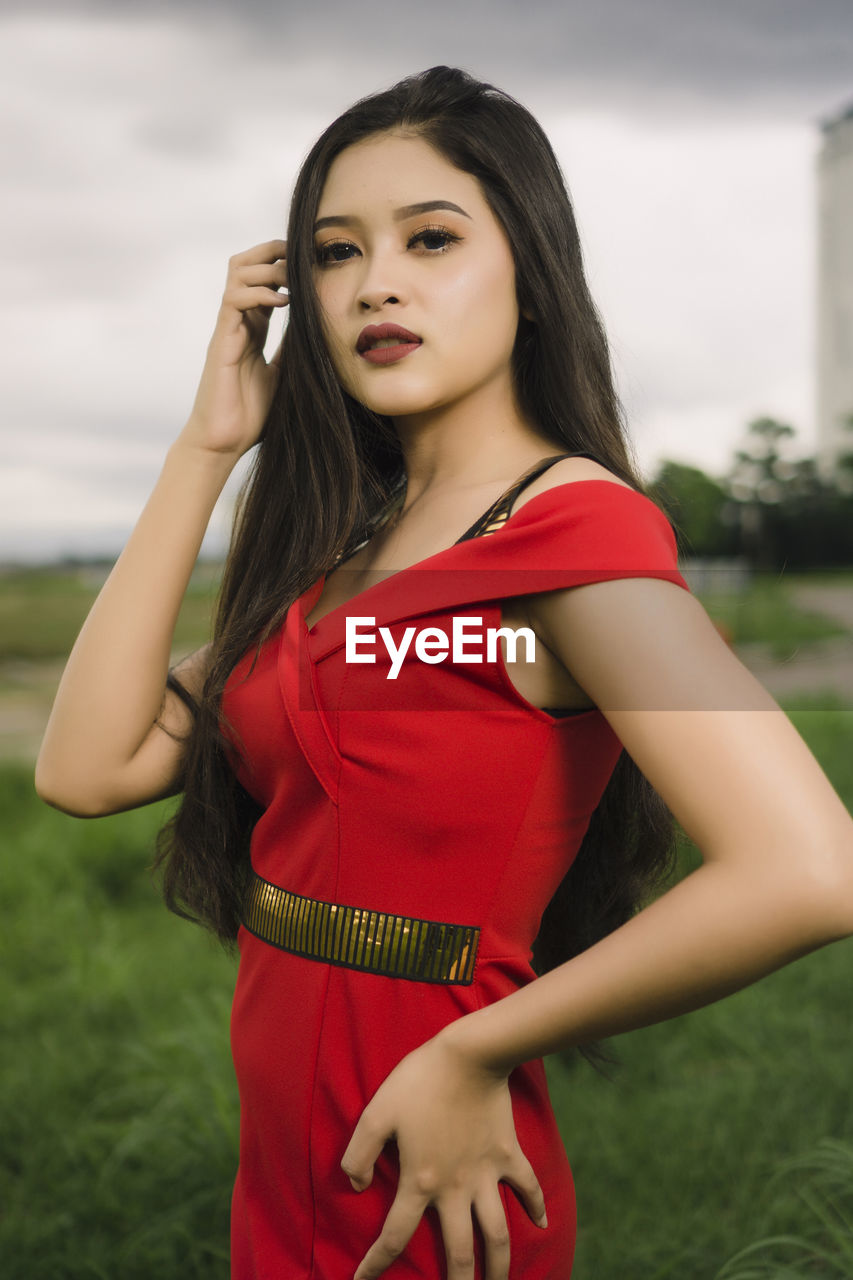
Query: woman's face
{"points": [[404, 238]]}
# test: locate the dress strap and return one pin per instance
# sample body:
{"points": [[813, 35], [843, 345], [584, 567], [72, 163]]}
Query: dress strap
{"points": [[498, 512]]}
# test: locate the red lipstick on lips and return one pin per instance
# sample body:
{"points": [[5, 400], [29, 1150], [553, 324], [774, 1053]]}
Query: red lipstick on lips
{"points": [[386, 354]]}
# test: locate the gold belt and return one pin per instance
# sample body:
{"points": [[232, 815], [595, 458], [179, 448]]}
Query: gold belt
{"points": [[358, 938]]}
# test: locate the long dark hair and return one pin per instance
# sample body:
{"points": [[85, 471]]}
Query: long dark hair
{"points": [[326, 465]]}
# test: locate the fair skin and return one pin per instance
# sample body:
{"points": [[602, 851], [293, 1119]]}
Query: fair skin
{"points": [[776, 879]]}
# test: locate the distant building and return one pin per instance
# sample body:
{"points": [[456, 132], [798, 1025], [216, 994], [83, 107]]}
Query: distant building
{"points": [[834, 374]]}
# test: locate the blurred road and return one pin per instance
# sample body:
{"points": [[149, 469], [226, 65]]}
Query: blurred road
{"points": [[821, 666], [27, 688]]}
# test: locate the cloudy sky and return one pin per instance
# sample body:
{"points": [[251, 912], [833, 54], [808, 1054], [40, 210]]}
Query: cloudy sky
{"points": [[145, 144]]}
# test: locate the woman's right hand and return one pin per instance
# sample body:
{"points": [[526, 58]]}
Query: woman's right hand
{"points": [[237, 384]]}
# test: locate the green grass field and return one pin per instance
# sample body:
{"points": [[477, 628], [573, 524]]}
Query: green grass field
{"points": [[41, 610], [118, 1108], [764, 614], [117, 1105]]}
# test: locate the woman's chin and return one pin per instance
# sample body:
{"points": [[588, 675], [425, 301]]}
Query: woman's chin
{"points": [[398, 406]]}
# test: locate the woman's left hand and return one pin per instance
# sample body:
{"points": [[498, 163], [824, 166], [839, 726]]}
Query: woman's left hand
{"points": [[453, 1124]]}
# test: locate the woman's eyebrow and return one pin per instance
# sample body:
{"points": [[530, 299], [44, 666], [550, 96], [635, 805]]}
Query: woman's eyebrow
{"points": [[407, 211]]}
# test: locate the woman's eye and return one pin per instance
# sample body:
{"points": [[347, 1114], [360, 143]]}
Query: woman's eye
{"points": [[334, 251], [434, 239]]}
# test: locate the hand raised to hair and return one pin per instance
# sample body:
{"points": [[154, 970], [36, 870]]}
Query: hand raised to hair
{"points": [[237, 383], [453, 1124]]}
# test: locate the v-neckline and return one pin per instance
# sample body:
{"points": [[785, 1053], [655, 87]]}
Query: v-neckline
{"points": [[396, 573], [316, 589], [512, 492]]}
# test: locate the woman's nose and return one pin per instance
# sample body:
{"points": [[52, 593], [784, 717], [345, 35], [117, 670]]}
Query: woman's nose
{"points": [[380, 282], [370, 300]]}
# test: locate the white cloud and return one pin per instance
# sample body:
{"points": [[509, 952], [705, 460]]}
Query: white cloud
{"points": [[142, 152], [699, 249]]}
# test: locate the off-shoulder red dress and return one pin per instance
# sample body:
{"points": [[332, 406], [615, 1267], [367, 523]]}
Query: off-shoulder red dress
{"points": [[441, 795]]}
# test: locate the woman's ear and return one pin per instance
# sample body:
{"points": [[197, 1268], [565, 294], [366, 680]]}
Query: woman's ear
{"points": [[525, 312], [524, 308]]}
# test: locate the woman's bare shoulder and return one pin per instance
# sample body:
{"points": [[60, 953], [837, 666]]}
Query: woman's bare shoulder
{"points": [[566, 471]]}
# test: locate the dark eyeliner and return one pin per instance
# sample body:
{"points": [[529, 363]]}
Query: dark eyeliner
{"points": [[435, 231], [323, 258], [322, 252]]}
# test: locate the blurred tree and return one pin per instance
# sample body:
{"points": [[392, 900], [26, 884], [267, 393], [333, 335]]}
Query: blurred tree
{"points": [[694, 502], [775, 510], [786, 514], [758, 482], [844, 460]]}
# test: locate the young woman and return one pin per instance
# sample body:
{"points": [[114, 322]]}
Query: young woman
{"points": [[456, 692]]}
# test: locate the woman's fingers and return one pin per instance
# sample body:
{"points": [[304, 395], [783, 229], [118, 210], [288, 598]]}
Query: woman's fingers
{"points": [[493, 1225], [454, 1129], [397, 1230], [252, 291], [263, 265], [244, 297], [522, 1177], [272, 273], [255, 277], [269, 251], [457, 1231], [365, 1146], [238, 384]]}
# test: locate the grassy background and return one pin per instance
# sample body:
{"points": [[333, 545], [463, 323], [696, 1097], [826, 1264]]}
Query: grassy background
{"points": [[118, 1113], [42, 609], [118, 1108], [764, 614]]}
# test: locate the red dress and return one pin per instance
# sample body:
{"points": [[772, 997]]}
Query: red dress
{"points": [[442, 794]]}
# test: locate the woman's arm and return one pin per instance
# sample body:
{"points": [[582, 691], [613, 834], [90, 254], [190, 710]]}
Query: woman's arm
{"points": [[776, 841], [113, 740], [776, 882]]}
